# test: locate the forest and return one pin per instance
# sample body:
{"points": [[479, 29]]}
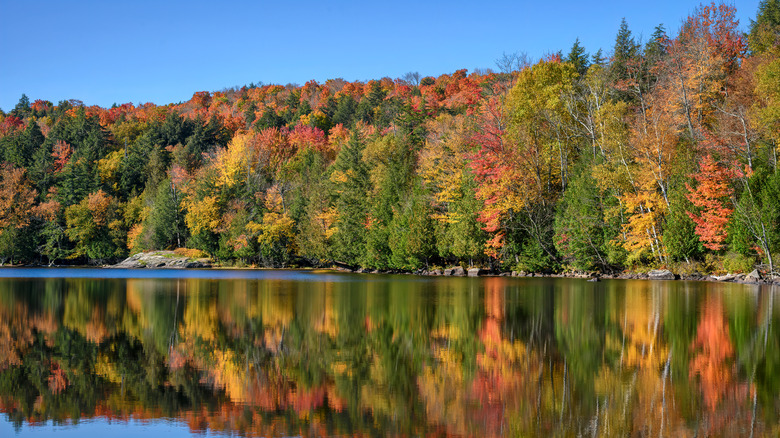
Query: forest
{"points": [[656, 153]]}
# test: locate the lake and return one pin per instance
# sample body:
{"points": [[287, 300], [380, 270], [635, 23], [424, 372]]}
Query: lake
{"points": [[97, 352]]}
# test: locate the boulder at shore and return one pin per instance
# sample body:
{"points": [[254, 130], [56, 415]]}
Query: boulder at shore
{"points": [[753, 277], [457, 271], [476, 272], [660, 274], [161, 259]]}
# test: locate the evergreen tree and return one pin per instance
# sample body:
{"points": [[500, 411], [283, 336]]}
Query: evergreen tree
{"points": [[598, 58], [90, 143], [165, 222], [22, 108], [292, 102], [345, 111], [764, 32], [367, 109], [350, 187], [411, 236], [205, 138], [578, 58], [392, 167], [32, 138], [249, 114], [269, 119], [174, 130], [580, 229], [310, 206], [679, 236], [132, 167], [655, 49], [462, 236], [624, 54]]}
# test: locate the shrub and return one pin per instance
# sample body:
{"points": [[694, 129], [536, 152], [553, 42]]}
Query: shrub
{"points": [[190, 253]]}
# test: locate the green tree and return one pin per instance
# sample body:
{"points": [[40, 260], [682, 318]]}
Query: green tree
{"points": [[269, 119], [580, 228], [345, 111], [20, 148], [679, 236], [461, 234], [412, 234], [764, 32], [624, 54], [368, 108], [350, 187], [578, 58], [90, 143], [166, 222], [22, 108], [391, 166]]}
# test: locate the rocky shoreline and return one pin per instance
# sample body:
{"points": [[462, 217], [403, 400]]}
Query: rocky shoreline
{"points": [[754, 277], [171, 260]]}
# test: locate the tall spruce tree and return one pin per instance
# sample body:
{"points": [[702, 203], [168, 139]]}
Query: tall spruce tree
{"points": [[578, 58], [350, 186], [624, 54]]}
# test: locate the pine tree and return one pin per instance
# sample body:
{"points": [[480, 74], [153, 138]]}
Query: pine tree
{"points": [[623, 55], [764, 32], [165, 221], [350, 184], [598, 58], [22, 108], [578, 58]]}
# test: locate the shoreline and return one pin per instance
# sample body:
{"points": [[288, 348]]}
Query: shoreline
{"points": [[754, 277], [167, 260]]}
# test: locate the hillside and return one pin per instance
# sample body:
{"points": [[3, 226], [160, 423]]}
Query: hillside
{"points": [[655, 155]]}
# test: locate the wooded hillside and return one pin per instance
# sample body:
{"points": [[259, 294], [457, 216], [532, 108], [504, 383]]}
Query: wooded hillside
{"points": [[654, 153]]}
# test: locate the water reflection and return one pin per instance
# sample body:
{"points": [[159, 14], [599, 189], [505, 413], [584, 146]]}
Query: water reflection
{"points": [[291, 353]]}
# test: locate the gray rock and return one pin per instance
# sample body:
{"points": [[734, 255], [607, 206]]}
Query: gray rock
{"points": [[161, 260], [753, 277], [475, 272], [660, 274]]}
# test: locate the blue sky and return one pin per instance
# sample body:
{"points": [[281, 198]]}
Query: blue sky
{"points": [[103, 52]]}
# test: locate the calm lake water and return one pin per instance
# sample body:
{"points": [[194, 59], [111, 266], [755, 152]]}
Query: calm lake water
{"points": [[97, 352]]}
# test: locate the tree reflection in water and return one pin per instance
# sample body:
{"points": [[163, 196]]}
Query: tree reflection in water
{"points": [[394, 355]]}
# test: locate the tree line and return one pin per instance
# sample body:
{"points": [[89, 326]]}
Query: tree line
{"points": [[657, 153]]}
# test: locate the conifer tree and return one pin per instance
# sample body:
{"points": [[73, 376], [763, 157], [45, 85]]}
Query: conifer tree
{"points": [[350, 186], [578, 58]]}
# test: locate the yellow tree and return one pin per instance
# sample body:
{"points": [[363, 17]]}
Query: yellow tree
{"points": [[276, 233], [17, 198]]}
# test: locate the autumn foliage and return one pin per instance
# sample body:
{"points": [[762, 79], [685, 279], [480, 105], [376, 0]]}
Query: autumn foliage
{"points": [[675, 138]]}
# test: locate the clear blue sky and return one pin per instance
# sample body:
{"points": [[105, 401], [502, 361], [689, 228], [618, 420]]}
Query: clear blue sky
{"points": [[109, 51]]}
